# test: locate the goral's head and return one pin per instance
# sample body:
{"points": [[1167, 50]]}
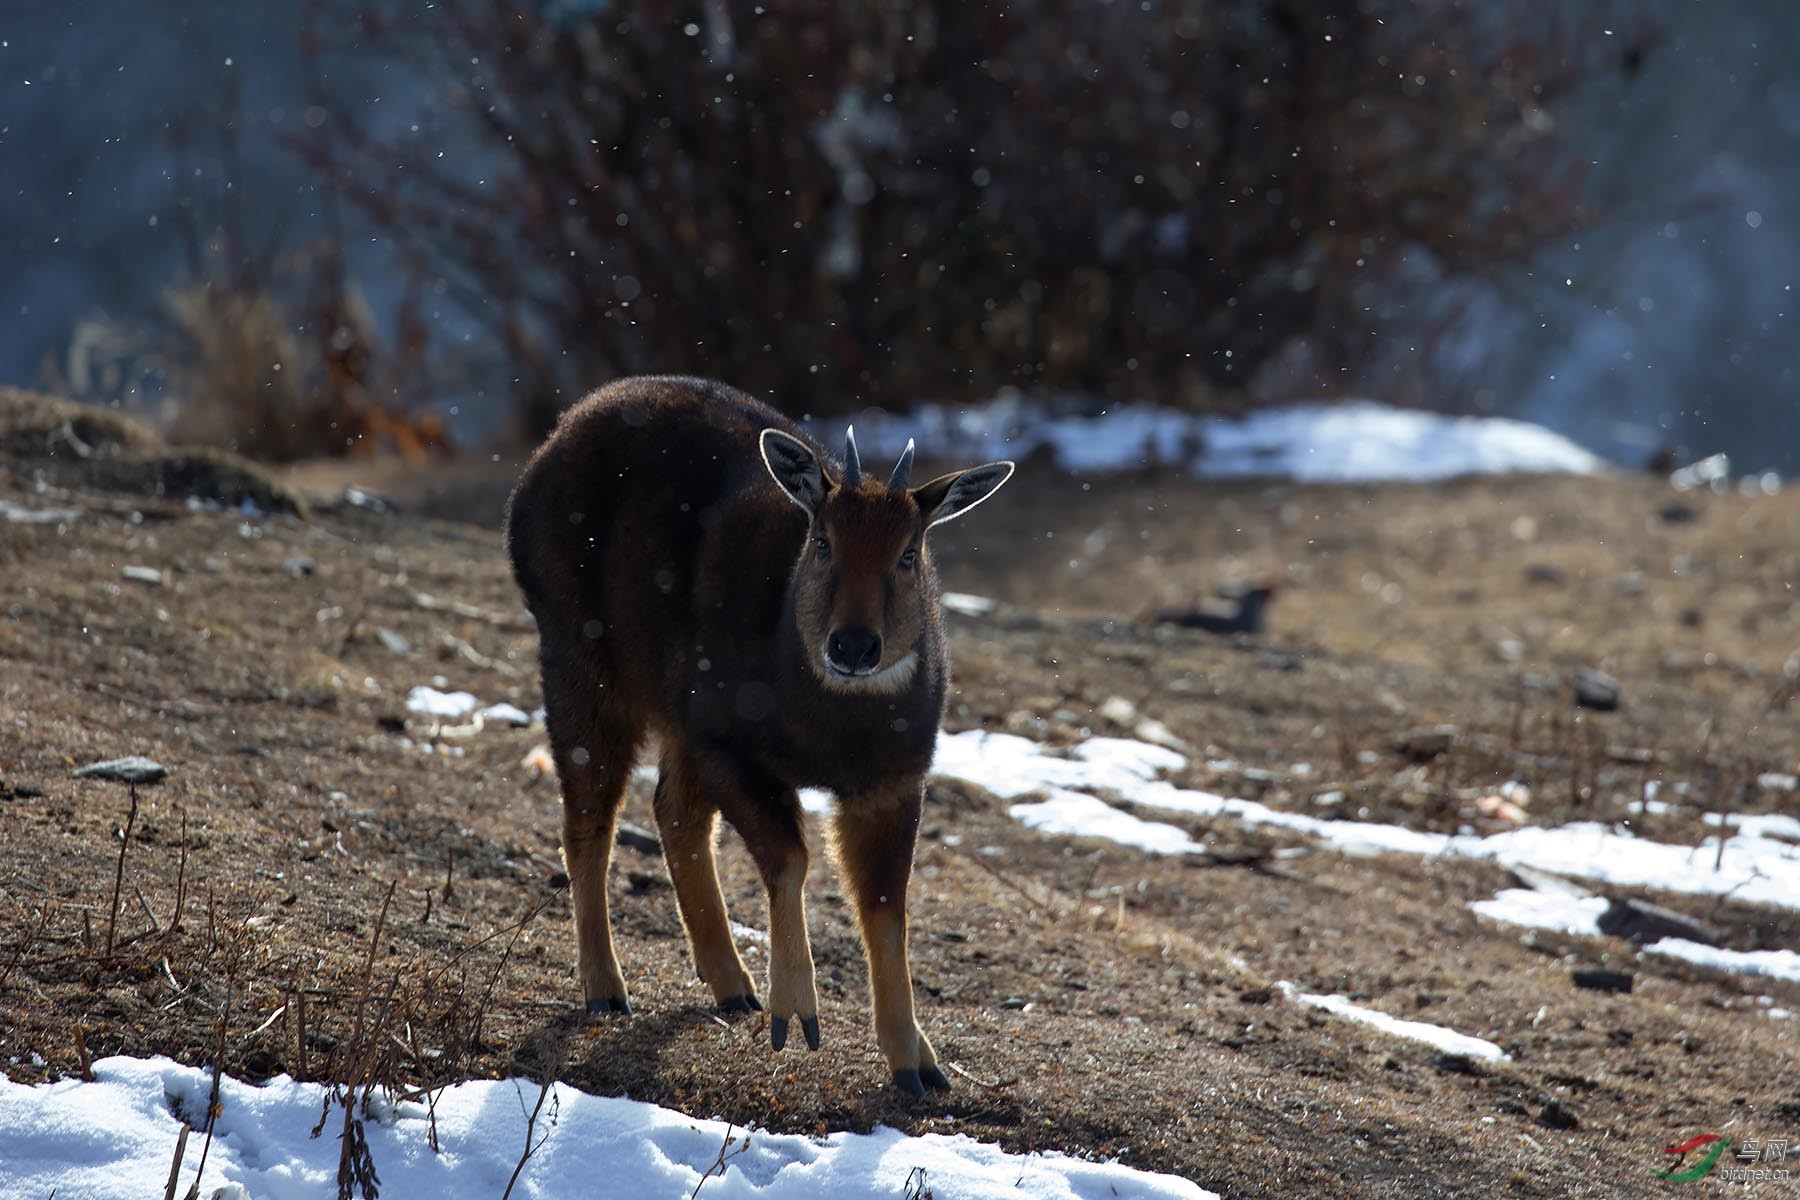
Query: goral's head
{"points": [[862, 592]]}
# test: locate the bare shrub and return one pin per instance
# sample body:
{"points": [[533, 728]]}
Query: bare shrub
{"points": [[845, 204]]}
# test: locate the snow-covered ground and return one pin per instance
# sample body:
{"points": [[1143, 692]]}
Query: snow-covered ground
{"points": [[1760, 862], [115, 1138], [1077, 793], [1581, 915], [1356, 441]]}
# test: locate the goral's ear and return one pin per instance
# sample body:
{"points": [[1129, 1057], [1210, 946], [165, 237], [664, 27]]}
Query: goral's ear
{"points": [[950, 496], [795, 468]]}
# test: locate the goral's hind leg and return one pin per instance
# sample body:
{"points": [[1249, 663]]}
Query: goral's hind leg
{"points": [[875, 835], [593, 748], [687, 819]]}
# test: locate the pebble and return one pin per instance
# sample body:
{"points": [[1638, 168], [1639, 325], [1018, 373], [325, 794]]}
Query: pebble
{"points": [[148, 575], [132, 769], [300, 567], [1119, 710], [1500, 809], [1557, 1115], [1151, 730], [1596, 690], [1643, 923], [1598, 980], [637, 838], [393, 641], [1426, 743]]}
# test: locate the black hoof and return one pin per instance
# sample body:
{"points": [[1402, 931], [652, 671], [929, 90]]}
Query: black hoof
{"points": [[606, 1004], [777, 1032], [740, 1004], [934, 1079], [809, 1026], [907, 1080]]}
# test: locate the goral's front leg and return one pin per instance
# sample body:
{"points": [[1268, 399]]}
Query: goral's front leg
{"points": [[773, 828], [875, 833]]}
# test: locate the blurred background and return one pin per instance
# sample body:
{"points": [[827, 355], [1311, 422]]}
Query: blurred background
{"points": [[336, 228]]}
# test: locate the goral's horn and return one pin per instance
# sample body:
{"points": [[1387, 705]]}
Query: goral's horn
{"points": [[852, 461], [902, 469]]}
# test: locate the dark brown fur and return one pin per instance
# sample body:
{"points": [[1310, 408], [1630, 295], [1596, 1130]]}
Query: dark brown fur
{"points": [[679, 593]]}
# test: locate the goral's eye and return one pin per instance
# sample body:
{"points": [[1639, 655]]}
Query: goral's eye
{"points": [[908, 559], [822, 548]]}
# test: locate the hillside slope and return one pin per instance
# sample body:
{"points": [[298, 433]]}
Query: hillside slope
{"points": [[367, 892]]}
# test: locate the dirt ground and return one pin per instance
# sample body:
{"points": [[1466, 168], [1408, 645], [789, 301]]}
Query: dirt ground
{"points": [[327, 886]]}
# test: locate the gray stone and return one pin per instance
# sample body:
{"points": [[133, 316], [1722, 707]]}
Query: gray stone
{"points": [[1596, 690], [132, 769], [1598, 979], [1643, 923], [636, 838]]}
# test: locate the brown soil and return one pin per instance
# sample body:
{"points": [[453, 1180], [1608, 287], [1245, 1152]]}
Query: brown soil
{"points": [[1095, 999]]}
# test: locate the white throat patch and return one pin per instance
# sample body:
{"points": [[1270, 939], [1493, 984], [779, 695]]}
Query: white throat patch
{"points": [[893, 678]]}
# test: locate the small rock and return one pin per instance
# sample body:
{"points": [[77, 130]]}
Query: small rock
{"points": [[1777, 781], [1119, 710], [1557, 1115], [1500, 809], [1596, 690], [1457, 1064], [132, 769], [1260, 995], [1155, 732], [1644, 923], [1677, 512], [300, 567], [1599, 980], [1017, 1003], [646, 881], [637, 838], [1426, 743], [149, 575], [1544, 573], [1509, 650], [357, 497], [393, 641], [1275, 660]]}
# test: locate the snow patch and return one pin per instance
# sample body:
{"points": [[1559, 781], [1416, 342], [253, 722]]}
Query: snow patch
{"points": [[1776, 964], [1545, 910], [1447, 1040], [1760, 863], [1358, 441], [114, 1139], [429, 702]]}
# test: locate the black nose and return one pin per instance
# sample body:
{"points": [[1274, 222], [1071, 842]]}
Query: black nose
{"points": [[853, 651]]}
